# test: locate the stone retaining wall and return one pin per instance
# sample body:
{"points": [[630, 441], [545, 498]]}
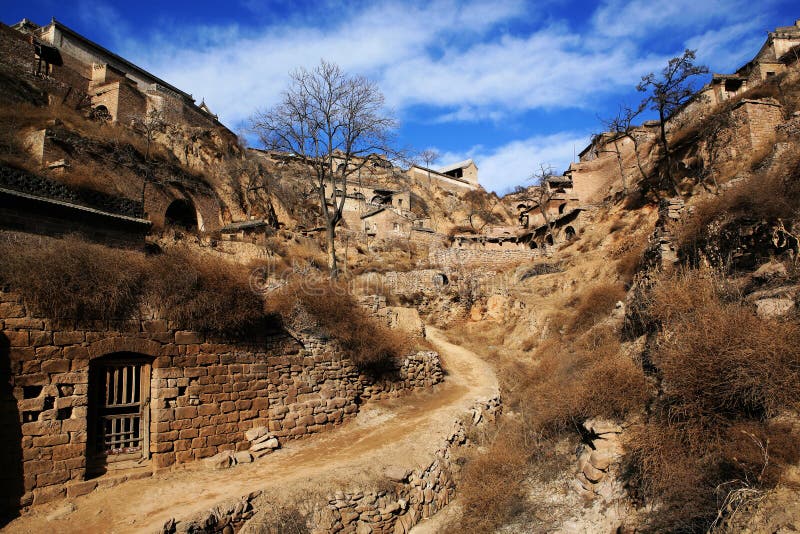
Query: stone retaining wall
{"points": [[415, 494], [204, 394], [459, 258]]}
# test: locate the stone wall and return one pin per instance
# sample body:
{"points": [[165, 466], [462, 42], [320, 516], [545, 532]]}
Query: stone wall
{"points": [[419, 281], [205, 394], [499, 258], [413, 495]]}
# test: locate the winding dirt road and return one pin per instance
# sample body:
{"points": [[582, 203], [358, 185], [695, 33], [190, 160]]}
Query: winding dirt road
{"points": [[401, 432]]}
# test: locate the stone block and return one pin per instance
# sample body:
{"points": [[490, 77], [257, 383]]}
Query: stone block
{"points": [[26, 323], [17, 338], [55, 366], [52, 477], [48, 494], [68, 338], [187, 412], [185, 337], [76, 352]]}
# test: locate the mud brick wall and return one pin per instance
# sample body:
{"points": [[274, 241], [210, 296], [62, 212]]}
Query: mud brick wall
{"points": [[204, 394]]}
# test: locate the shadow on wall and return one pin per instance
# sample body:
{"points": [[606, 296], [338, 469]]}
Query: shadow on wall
{"points": [[11, 480]]}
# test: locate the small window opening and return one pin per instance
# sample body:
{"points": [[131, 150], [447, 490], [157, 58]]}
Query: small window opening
{"points": [[31, 392], [64, 413]]}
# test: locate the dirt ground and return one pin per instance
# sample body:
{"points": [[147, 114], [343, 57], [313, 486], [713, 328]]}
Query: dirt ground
{"points": [[401, 432]]}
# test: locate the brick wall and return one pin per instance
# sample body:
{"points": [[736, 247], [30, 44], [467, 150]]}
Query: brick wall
{"points": [[204, 394]]}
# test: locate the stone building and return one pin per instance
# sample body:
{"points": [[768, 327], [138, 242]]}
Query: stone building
{"points": [[88, 405], [459, 177], [113, 84]]}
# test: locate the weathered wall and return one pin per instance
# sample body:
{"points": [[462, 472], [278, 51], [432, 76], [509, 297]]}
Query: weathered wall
{"points": [[411, 495], [495, 258], [205, 393]]}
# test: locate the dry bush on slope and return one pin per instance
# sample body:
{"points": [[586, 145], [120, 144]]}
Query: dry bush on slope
{"points": [[204, 294], [72, 279], [594, 304], [369, 344], [770, 195], [724, 373]]}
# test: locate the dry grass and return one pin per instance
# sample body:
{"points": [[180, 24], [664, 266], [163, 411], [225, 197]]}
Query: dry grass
{"points": [[718, 359], [594, 304], [203, 294], [770, 195], [369, 344], [72, 279], [724, 374]]}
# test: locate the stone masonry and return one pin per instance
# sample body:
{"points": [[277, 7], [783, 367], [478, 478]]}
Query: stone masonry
{"points": [[205, 394]]}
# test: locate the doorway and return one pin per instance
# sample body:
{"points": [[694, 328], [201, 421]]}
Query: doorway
{"points": [[119, 412]]}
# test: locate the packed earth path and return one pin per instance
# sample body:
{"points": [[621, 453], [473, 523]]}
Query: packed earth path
{"points": [[403, 432]]}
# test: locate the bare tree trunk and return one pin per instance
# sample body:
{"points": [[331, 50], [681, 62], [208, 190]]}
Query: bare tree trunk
{"points": [[621, 169], [665, 148], [332, 260]]}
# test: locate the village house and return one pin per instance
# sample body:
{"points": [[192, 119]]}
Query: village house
{"points": [[459, 177], [86, 76], [114, 85]]}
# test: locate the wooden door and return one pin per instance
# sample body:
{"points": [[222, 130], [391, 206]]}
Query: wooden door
{"points": [[120, 410]]}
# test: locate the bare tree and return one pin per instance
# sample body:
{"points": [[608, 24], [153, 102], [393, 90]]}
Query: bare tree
{"points": [[152, 123], [538, 197], [481, 209], [429, 156], [334, 123], [621, 126], [668, 92]]}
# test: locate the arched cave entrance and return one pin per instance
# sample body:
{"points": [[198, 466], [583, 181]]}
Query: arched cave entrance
{"points": [[119, 412], [569, 232], [181, 213], [549, 239]]}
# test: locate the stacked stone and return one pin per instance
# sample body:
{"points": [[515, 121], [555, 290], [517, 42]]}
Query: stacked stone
{"points": [[596, 461], [205, 395], [225, 518], [418, 494], [420, 370], [495, 258]]}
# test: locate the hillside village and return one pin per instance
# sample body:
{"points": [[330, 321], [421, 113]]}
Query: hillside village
{"points": [[540, 344]]}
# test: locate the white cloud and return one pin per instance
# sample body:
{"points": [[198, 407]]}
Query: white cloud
{"points": [[461, 61], [503, 167]]}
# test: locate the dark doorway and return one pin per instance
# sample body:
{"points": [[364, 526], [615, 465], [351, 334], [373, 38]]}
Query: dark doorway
{"points": [[182, 213], [11, 480], [119, 408]]}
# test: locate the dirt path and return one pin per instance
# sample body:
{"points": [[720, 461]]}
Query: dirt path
{"points": [[402, 432]]}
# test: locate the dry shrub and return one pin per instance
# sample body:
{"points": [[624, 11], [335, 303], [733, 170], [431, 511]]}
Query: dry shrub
{"points": [[493, 489], [590, 377], [718, 359], [595, 304], [203, 293], [369, 344], [770, 195], [70, 278], [725, 372]]}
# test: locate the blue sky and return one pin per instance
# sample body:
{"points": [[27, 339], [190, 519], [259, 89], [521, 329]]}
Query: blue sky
{"points": [[508, 83]]}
